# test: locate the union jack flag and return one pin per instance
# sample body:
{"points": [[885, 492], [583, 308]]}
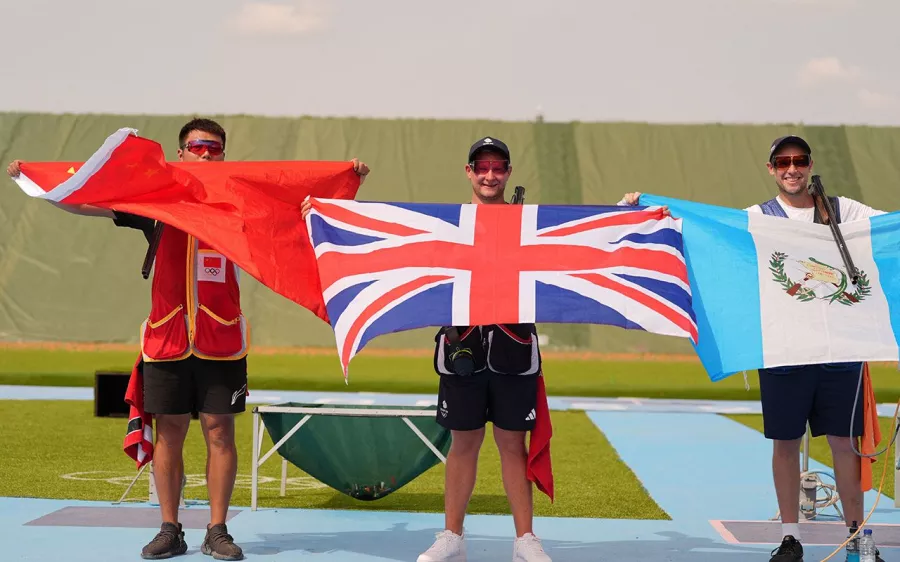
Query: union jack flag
{"points": [[389, 267]]}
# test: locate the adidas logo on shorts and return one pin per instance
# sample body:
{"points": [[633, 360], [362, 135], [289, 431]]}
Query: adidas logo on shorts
{"points": [[531, 416]]}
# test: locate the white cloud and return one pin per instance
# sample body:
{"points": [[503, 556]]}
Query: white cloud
{"points": [[827, 69], [270, 18], [876, 100]]}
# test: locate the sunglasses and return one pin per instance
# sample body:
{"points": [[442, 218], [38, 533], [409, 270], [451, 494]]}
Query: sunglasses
{"points": [[198, 147], [799, 160], [482, 167]]}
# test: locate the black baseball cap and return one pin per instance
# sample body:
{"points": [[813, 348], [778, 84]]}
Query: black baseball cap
{"points": [[788, 139], [489, 142]]}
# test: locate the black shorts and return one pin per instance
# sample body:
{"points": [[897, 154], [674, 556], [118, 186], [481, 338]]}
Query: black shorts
{"points": [[195, 385], [819, 394], [468, 403]]}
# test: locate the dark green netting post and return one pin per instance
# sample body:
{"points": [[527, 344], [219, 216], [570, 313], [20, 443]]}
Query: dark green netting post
{"points": [[365, 452]]}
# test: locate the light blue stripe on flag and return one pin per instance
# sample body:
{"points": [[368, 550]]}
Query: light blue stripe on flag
{"points": [[886, 252], [724, 278]]}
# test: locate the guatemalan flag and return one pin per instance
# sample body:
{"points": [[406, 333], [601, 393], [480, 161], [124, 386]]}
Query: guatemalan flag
{"points": [[769, 291]]}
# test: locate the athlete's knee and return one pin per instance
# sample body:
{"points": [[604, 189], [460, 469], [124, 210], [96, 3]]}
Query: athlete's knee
{"points": [[788, 448], [172, 429], [467, 443], [510, 443], [219, 431]]}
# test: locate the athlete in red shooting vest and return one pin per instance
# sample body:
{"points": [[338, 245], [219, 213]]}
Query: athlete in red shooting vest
{"points": [[195, 304], [193, 357]]}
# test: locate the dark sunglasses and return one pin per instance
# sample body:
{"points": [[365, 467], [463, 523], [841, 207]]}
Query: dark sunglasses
{"points": [[799, 160], [198, 147], [482, 167]]}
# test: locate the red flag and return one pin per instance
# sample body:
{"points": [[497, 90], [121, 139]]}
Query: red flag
{"points": [[871, 437], [138, 442], [540, 469], [248, 211]]}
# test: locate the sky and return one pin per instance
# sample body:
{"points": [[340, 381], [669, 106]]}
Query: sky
{"points": [[661, 61]]}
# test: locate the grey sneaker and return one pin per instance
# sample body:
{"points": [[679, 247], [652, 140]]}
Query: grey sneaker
{"points": [[167, 543], [220, 544]]}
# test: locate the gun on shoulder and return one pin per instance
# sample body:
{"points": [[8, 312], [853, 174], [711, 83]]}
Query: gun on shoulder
{"points": [[518, 197], [150, 256], [825, 211]]}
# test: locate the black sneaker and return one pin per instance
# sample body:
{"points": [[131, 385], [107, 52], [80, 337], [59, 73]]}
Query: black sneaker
{"points": [[789, 551], [220, 544], [167, 543]]}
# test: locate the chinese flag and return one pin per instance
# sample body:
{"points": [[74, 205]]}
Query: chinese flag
{"points": [[248, 211], [212, 261]]}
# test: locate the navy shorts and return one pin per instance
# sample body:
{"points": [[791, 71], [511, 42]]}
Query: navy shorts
{"points": [[822, 395]]}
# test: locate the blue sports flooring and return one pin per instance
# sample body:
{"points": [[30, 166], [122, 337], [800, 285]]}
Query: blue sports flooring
{"points": [[700, 468]]}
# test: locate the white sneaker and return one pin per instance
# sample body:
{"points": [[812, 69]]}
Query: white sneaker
{"points": [[527, 548], [449, 547]]}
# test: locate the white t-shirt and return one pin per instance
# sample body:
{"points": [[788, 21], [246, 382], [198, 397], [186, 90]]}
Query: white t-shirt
{"points": [[850, 210]]}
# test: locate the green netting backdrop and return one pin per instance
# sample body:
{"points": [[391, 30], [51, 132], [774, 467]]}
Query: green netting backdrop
{"points": [[69, 278]]}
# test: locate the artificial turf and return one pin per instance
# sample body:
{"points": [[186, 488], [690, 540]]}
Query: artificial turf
{"points": [[58, 449]]}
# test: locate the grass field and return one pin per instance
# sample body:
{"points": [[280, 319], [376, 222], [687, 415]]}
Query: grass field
{"points": [[44, 440], [373, 372]]}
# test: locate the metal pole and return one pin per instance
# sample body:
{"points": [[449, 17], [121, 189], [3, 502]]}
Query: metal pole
{"points": [[425, 440], [152, 497], [896, 472], [283, 477], [181, 501], [133, 481], [284, 439], [809, 483], [806, 450], [262, 432], [254, 471]]}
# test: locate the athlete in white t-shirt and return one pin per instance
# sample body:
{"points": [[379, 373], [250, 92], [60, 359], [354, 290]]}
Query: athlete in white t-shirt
{"points": [[851, 210], [821, 395]]}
